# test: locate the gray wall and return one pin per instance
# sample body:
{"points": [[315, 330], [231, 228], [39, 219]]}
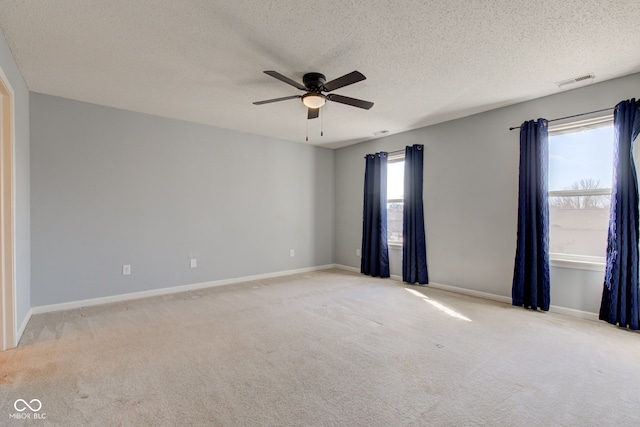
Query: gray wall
{"points": [[113, 187], [22, 202], [470, 195]]}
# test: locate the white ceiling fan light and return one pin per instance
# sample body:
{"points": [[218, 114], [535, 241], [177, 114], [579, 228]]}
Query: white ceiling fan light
{"points": [[314, 100]]}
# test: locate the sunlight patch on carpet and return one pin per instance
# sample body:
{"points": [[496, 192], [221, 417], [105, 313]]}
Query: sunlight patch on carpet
{"points": [[439, 306]]}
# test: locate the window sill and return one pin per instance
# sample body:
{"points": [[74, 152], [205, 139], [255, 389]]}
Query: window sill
{"points": [[577, 265], [395, 246]]}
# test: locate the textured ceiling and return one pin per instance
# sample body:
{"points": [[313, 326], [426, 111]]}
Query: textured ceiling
{"points": [[425, 61]]}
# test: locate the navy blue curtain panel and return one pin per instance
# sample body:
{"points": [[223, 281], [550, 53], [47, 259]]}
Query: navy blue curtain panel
{"points": [[620, 300], [414, 253], [375, 250], [531, 272]]}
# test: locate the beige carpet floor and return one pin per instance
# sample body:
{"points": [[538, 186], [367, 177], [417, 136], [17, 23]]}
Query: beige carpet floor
{"points": [[328, 348]]}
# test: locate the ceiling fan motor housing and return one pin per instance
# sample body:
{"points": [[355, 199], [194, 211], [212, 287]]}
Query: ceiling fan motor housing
{"points": [[313, 81]]}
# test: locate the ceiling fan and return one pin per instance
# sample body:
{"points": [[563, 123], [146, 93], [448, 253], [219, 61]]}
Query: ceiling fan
{"points": [[314, 86]]}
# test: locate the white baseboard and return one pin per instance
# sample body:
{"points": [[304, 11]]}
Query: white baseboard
{"points": [[493, 297], [165, 291], [195, 286], [471, 292], [574, 313], [347, 268], [23, 326], [433, 285], [507, 300]]}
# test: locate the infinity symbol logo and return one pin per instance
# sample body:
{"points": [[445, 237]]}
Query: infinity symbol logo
{"points": [[26, 405]]}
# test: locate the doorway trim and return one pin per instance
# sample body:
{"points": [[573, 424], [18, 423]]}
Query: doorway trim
{"points": [[8, 335]]}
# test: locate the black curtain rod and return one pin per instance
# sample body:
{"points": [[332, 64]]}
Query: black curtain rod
{"points": [[570, 117], [391, 153]]}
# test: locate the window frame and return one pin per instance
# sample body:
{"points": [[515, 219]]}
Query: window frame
{"points": [[394, 158], [574, 261]]}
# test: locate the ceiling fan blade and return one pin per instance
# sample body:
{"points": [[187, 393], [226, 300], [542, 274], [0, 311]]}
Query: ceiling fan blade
{"points": [[269, 101], [285, 79], [350, 101], [346, 80], [313, 113]]}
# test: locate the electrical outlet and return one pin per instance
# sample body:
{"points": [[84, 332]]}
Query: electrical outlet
{"points": [[194, 263], [358, 252], [292, 253], [126, 269]]}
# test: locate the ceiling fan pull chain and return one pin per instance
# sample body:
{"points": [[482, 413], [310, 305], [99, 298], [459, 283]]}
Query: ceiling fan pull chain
{"points": [[307, 121], [321, 123]]}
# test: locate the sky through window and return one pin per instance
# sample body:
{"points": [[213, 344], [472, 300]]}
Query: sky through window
{"points": [[581, 155]]}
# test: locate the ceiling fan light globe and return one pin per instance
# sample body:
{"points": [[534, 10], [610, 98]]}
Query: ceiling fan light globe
{"points": [[314, 100]]}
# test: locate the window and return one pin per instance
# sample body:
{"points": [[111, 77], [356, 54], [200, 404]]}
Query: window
{"points": [[395, 198], [580, 177]]}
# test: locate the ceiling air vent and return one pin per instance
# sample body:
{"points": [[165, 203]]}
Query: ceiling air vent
{"points": [[575, 80]]}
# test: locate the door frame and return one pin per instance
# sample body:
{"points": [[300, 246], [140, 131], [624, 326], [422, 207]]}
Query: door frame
{"points": [[8, 333]]}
